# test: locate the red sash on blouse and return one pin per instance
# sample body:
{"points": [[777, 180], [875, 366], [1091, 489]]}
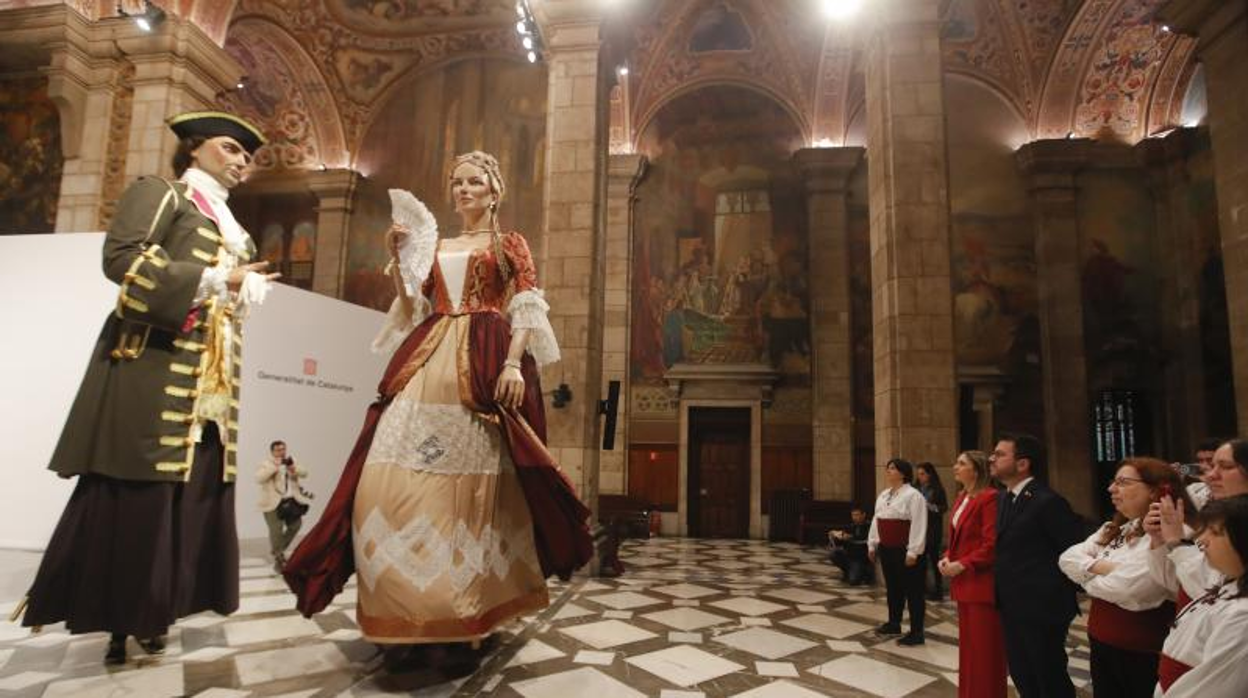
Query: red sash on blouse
{"points": [[894, 533], [1170, 670], [1137, 631], [1184, 599]]}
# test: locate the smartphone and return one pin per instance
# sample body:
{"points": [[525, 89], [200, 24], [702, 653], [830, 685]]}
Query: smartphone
{"points": [[1165, 490]]}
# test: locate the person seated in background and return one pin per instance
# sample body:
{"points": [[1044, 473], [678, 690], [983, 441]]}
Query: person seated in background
{"points": [[849, 549]]}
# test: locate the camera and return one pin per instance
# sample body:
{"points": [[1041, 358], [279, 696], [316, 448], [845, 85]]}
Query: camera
{"points": [[288, 461]]}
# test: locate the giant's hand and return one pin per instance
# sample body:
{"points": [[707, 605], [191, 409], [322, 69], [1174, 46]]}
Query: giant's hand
{"points": [[509, 390], [235, 280]]}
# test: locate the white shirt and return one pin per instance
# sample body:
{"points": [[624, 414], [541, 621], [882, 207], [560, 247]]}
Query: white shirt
{"points": [[1209, 637], [905, 503], [1018, 489], [1199, 492], [1129, 585], [957, 514]]}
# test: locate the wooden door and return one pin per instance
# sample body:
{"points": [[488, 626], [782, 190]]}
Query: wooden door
{"points": [[719, 472]]}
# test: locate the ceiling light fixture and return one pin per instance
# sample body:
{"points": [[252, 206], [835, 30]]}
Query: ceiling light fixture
{"points": [[146, 20], [526, 27], [840, 9]]}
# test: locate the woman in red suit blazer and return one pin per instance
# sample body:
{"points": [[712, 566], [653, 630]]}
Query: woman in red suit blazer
{"points": [[968, 565]]}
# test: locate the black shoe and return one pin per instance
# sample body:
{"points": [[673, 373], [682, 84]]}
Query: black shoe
{"points": [[116, 653], [153, 645], [400, 659], [888, 629], [911, 640]]}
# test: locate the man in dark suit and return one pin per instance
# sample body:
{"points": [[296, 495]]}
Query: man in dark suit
{"points": [[1035, 525]]}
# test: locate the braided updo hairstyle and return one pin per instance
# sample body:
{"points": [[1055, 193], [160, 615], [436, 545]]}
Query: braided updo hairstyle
{"points": [[489, 165]]}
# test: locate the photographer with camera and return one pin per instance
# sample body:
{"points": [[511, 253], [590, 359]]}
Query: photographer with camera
{"points": [[282, 499]]}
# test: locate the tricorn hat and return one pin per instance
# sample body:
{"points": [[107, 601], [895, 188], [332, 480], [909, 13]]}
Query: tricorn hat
{"points": [[211, 124]]}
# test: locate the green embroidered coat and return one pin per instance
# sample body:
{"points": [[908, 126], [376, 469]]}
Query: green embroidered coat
{"points": [[135, 414]]}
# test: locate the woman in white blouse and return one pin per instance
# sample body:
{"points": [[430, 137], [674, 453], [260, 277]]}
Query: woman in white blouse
{"points": [[1130, 610], [1205, 655], [898, 537]]}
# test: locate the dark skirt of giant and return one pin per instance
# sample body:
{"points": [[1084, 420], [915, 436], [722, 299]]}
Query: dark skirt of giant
{"points": [[133, 557]]}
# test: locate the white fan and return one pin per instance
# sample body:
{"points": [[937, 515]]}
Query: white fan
{"points": [[416, 252]]}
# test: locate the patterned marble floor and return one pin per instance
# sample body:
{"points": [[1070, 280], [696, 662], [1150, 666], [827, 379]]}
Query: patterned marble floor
{"points": [[691, 618]]}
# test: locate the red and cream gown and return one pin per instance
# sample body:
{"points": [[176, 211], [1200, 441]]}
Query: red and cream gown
{"points": [[1205, 654], [443, 536]]}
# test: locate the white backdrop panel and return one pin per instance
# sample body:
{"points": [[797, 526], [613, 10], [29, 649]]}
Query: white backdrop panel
{"points": [[318, 416], [308, 377], [55, 299]]}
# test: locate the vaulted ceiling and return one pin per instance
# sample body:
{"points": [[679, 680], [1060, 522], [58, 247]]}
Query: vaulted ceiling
{"points": [[320, 69]]}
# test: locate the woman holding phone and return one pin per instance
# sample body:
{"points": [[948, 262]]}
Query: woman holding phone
{"points": [[1131, 612]]}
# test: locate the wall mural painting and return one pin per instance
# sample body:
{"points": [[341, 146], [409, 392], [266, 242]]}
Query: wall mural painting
{"points": [[1119, 278], [994, 286], [494, 105], [30, 157], [720, 258]]}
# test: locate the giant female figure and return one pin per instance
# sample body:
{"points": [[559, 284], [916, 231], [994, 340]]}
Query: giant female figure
{"points": [[450, 508]]}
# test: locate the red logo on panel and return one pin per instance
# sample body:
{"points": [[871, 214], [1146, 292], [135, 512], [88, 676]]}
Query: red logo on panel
{"points": [[309, 367]]}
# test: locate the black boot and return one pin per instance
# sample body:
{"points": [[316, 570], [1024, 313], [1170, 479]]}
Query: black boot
{"points": [[153, 645], [116, 653]]}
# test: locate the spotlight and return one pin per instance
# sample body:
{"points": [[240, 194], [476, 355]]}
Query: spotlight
{"points": [[239, 86], [623, 70], [1165, 28], [528, 43], [148, 19], [520, 10], [532, 57], [839, 9], [1070, 135], [522, 28]]}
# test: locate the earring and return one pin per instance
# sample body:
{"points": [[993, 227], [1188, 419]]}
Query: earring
{"points": [[493, 206]]}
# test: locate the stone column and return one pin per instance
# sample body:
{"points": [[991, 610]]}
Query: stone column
{"points": [[84, 88], [624, 172], [114, 86], [826, 172], [916, 403], [1051, 167], [1183, 408], [572, 260], [335, 191], [1221, 28], [177, 68]]}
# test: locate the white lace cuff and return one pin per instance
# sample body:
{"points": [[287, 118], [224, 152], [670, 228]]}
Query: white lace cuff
{"points": [[211, 283], [528, 312], [397, 325]]}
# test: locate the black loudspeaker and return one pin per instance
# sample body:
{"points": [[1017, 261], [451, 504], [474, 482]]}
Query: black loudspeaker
{"points": [[611, 408]]}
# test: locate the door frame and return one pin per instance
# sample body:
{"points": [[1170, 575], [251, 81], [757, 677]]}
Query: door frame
{"points": [[756, 461]]}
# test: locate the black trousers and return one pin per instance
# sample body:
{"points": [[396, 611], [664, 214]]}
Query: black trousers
{"points": [[1119, 673], [1036, 652], [905, 587]]}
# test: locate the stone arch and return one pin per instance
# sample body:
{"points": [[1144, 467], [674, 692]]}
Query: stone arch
{"points": [[759, 87], [288, 96]]}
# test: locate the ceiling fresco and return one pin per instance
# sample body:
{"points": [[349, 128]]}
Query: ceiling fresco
{"points": [[1096, 68]]}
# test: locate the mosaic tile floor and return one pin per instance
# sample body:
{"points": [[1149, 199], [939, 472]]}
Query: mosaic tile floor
{"points": [[691, 618]]}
